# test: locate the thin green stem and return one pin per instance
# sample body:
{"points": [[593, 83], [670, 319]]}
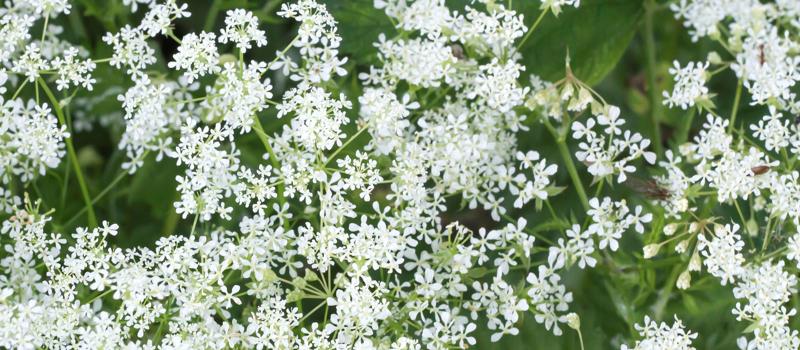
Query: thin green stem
{"points": [[44, 27], [655, 99], [685, 126], [339, 150], [663, 298], [99, 296], [92, 218], [194, 223], [19, 89], [735, 108], [98, 197], [211, 17], [272, 158], [563, 149], [533, 27], [283, 52], [313, 310]]}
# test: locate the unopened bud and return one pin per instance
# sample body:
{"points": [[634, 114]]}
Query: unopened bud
{"points": [[714, 58], [684, 280], [670, 229], [573, 321], [651, 250]]}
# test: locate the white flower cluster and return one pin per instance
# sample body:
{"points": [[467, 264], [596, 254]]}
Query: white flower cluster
{"points": [[241, 28], [658, 336], [346, 232], [730, 171], [612, 218], [442, 280], [198, 55], [723, 256], [690, 85], [766, 288], [766, 59], [605, 152], [31, 141], [777, 132]]}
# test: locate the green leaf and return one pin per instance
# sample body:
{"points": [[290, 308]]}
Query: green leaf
{"points": [[553, 190], [477, 272], [359, 24], [595, 35]]}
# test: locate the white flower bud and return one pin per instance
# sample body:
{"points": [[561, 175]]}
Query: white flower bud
{"points": [[651, 250], [714, 58], [684, 280], [695, 262], [573, 321], [682, 246], [670, 229]]}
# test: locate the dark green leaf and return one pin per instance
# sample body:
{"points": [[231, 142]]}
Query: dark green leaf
{"points": [[595, 35]]}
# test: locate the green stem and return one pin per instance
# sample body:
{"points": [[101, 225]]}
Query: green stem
{"points": [[338, 150], [172, 219], [567, 157], [99, 195], [272, 157], [533, 27], [685, 126], [211, 17], [735, 108], [92, 218], [655, 99], [663, 297]]}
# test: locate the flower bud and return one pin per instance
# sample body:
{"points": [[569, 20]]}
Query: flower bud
{"points": [[651, 250], [681, 247], [684, 280], [573, 321], [694, 262], [714, 58], [670, 229]]}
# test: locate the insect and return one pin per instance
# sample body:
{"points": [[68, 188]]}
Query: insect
{"points": [[649, 188], [458, 51], [760, 169], [761, 57]]}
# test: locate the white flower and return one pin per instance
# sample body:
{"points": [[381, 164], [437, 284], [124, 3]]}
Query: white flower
{"points": [[73, 71], [766, 65], [197, 54], [555, 5], [662, 336], [32, 140], [241, 29], [690, 85], [722, 253], [31, 63], [130, 48]]}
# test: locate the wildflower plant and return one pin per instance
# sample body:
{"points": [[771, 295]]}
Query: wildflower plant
{"points": [[399, 174]]}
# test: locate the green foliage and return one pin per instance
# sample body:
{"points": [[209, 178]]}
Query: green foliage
{"points": [[594, 37]]}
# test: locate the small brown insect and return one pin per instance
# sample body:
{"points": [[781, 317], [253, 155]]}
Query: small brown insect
{"points": [[649, 188], [761, 57], [760, 169], [458, 51]]}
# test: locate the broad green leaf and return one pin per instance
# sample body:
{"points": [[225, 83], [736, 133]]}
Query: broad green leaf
{"points": [[595, 35]]}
